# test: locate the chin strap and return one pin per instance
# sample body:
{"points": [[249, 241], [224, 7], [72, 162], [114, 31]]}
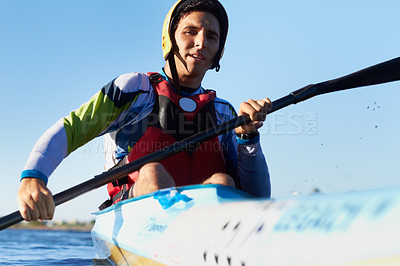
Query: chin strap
{"points": [[175, 78]]}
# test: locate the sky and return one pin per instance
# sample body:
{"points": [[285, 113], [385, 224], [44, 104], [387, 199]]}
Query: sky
{"points": [[54, 55]]}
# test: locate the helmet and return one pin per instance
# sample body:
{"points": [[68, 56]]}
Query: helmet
{"points": [[174, 14]]}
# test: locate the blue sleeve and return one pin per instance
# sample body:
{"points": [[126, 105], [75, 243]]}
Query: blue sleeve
{"points": [[35, 174], [247, 165], [253, 170], [230, 155], [244, 159]]}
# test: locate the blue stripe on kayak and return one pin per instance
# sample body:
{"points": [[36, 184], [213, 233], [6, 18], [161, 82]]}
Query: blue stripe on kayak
{"points": [[224, 192]]}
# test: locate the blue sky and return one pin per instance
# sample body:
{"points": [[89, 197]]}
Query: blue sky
{"points": [[54, 55]]}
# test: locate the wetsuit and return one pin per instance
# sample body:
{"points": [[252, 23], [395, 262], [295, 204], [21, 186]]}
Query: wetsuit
{"points": [[117, 112]]}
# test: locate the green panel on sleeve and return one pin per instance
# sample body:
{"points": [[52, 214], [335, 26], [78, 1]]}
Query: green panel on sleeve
{"points": [[89, 120]]}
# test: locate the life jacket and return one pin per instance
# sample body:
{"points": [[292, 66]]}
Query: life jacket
{"points": [[175, 117]]}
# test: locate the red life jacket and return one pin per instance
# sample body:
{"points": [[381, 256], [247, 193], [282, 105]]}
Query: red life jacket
{"points": [[174, 118]]}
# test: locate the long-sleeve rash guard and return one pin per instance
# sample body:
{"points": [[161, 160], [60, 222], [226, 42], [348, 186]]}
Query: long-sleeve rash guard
{"points": [[116, 112]]}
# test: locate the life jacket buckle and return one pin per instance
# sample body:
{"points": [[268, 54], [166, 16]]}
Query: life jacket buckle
{"points": [[155, 77]]}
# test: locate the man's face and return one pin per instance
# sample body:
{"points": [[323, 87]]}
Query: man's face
{"points": [[197, 42]]}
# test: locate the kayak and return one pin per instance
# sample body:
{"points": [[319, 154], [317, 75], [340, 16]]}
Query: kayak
{"points": [[218, 225]]}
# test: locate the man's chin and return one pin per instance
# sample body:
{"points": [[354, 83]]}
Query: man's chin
{"points": [[195, 73], [199, 69]]}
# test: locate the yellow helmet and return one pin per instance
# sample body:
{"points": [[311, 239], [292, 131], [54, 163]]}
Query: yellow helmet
{"points": [[212, 6]]}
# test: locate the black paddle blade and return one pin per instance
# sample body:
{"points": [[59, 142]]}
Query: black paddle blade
{"points": [[380, 73], [377, 74]]}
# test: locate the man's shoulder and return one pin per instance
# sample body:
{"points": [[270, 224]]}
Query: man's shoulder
{"points": [[131, 82], [223, 106], [134, 86]]}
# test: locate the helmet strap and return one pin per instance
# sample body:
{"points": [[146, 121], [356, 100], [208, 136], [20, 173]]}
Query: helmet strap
{"points": [[174, 72]]}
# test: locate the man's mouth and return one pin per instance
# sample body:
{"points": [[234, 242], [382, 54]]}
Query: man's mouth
{"points": [[198, 56]]}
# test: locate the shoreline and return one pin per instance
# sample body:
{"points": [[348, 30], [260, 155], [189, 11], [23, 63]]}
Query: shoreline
{"points": [[54, 226]]}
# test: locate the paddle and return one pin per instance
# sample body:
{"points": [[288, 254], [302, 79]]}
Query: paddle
{"points": [[381, 73]]}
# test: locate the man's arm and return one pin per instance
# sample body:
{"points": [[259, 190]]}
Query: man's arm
{"points": [[104, 112], [252, 167], [35, 200]]}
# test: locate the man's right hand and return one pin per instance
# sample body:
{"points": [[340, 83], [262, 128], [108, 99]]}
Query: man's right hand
{"points": [[35, 200]]}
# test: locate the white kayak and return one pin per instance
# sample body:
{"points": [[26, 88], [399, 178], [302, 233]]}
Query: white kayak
{"points": [[218, 225]]}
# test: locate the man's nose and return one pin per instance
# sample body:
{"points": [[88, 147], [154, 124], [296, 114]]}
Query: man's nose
{"points": [[201, 41]]}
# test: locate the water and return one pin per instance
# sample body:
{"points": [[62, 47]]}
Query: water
{"points": [[38, 247]]}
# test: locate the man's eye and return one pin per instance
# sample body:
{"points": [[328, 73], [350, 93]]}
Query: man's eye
{"points": [[213, 37]]}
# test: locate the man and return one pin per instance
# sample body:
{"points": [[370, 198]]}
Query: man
{"points": [[139, 113]]}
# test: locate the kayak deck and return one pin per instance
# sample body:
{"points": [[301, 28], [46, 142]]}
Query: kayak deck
{"points": [[216, 225]]}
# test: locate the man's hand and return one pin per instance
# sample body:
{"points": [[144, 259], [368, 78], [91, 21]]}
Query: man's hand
{"points": [[35, 200], [257, 111]]}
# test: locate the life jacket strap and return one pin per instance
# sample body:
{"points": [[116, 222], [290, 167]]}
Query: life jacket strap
{"points": [[122, 180], [121, 195]]}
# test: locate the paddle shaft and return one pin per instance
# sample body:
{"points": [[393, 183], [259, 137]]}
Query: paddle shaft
{"points": [[381, 73]]}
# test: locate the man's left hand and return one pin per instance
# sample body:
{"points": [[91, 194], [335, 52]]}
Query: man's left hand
{"points": [[257, 111]]}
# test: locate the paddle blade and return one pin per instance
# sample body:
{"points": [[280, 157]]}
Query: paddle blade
{"points": [[380, 73]]}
